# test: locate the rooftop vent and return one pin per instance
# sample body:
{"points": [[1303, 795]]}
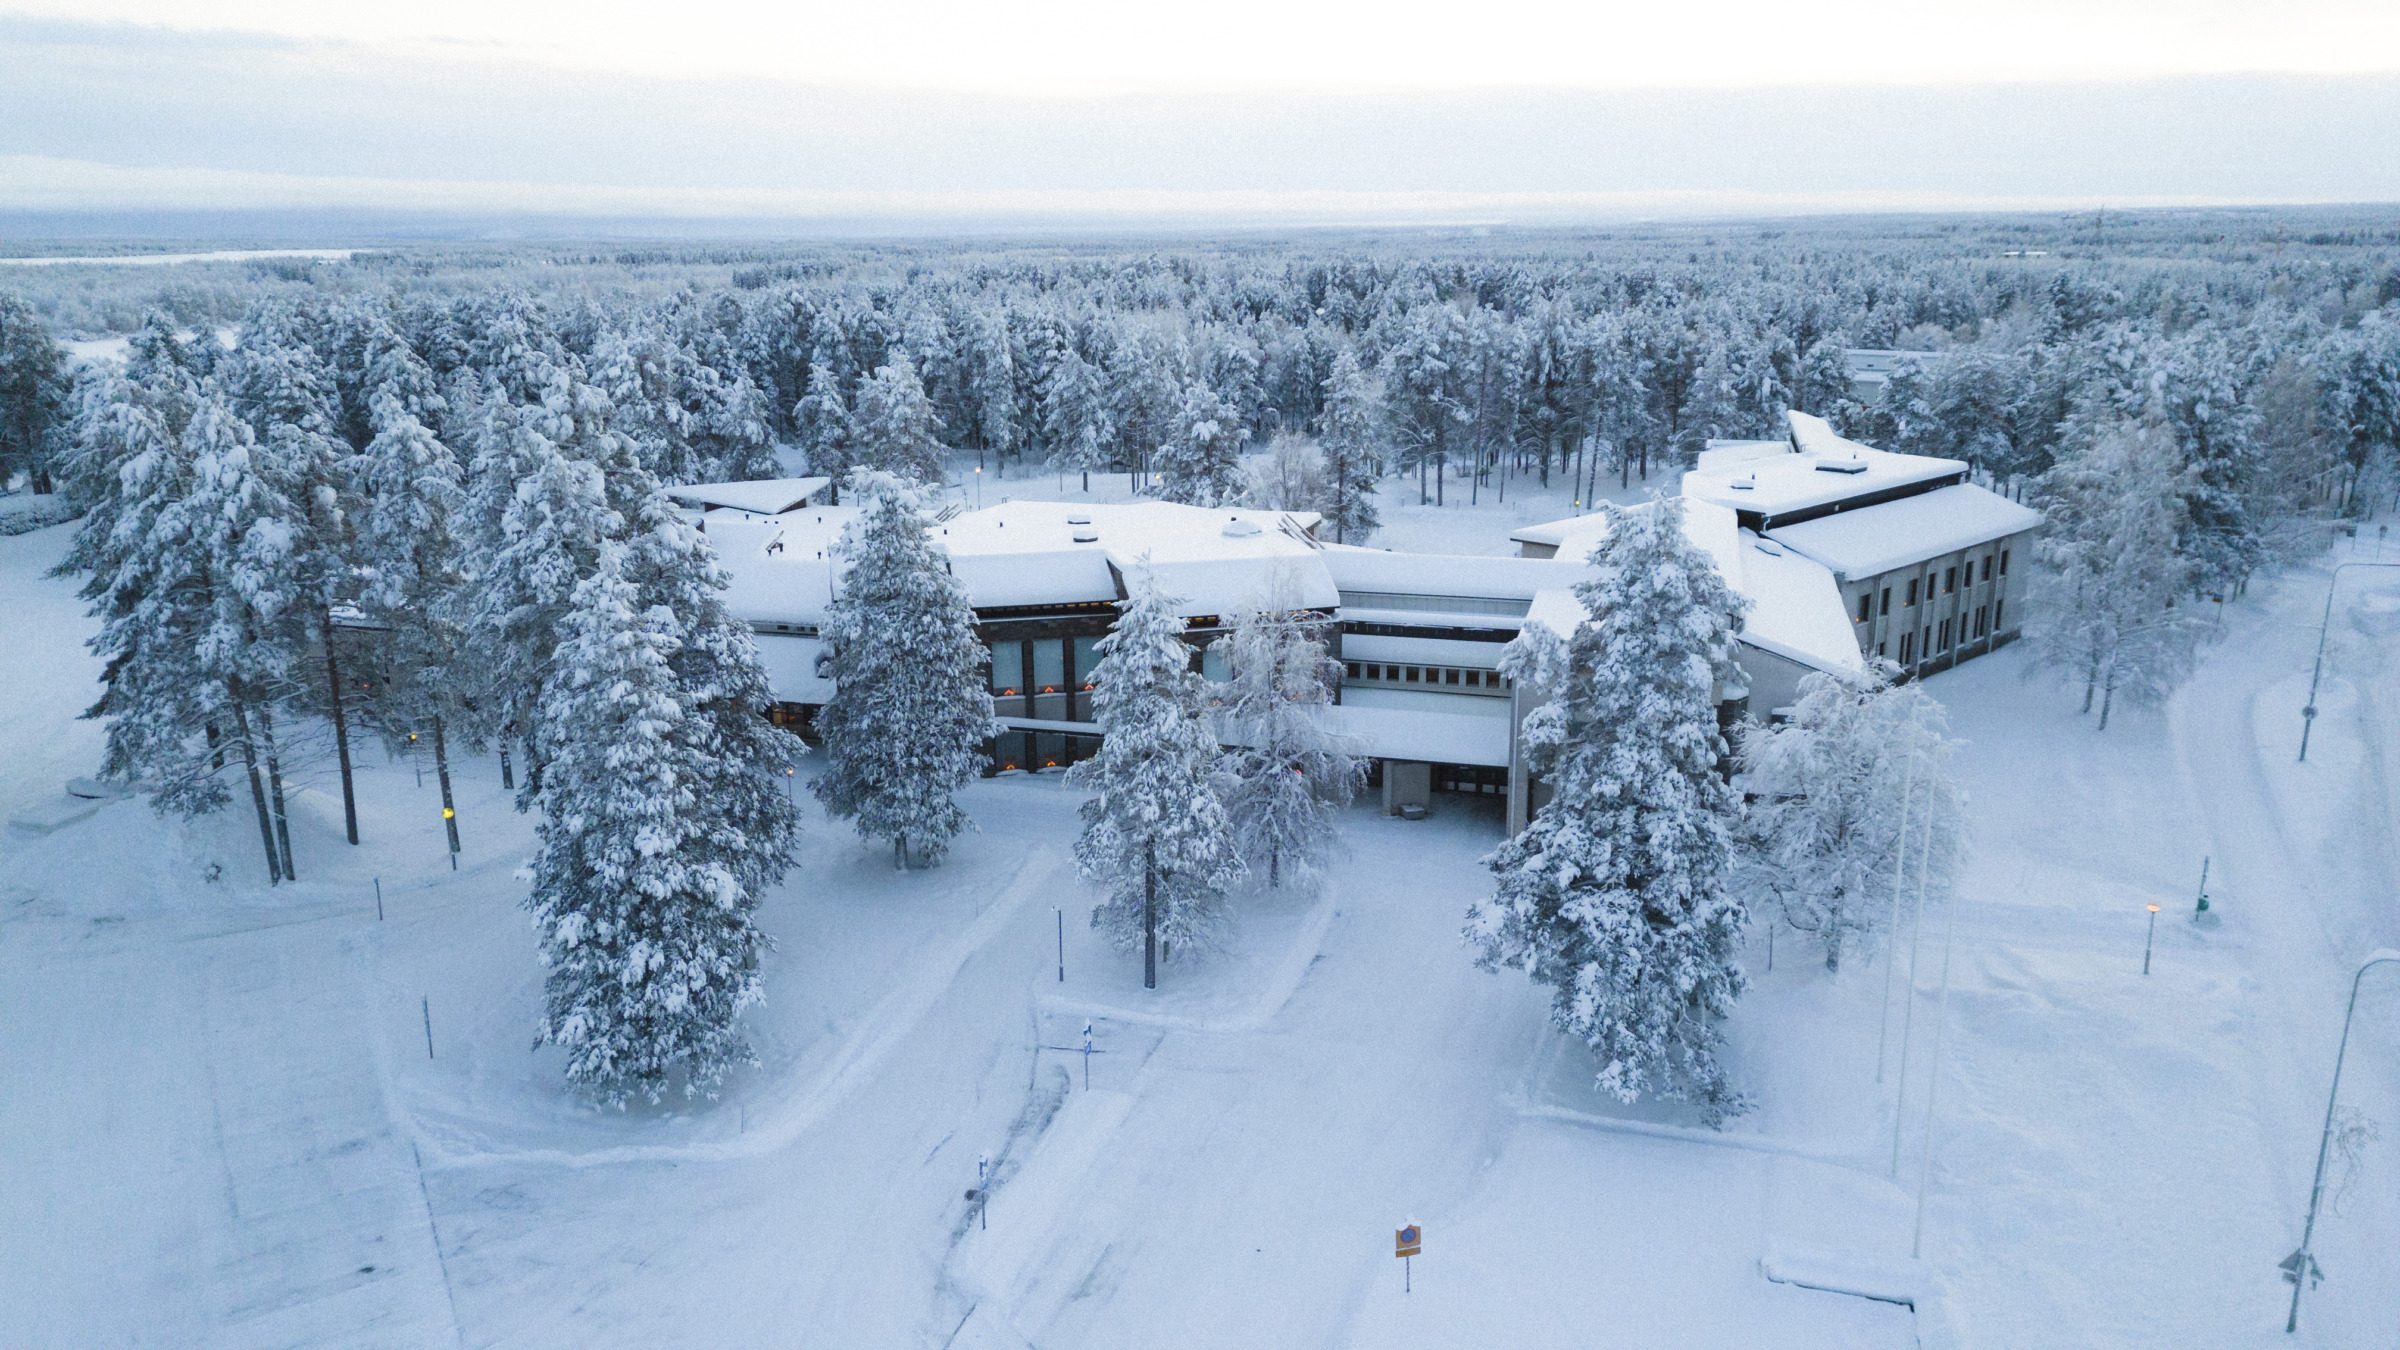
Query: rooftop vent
{"points": [[1841, 466], [1079, 517], [1744, 484], [1086, 533], [1238, 528]]}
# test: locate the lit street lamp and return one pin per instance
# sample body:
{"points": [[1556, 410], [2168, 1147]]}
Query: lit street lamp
{"points": [[2302, 1264], [2151, 940]]}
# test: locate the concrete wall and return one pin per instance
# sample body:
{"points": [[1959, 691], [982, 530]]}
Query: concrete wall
{"points": [[1999, 602]]}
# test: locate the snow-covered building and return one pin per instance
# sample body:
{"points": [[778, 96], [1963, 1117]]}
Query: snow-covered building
{"points": [[1812, 531], [1922, 557]]}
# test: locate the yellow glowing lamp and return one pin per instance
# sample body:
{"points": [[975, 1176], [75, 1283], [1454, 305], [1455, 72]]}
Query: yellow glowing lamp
{"points": [[2152, 908], [448, 814], [412, 735]]}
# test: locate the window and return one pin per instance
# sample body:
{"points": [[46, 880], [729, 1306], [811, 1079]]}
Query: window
{"points": [[1950, 581], [1413, 674], [1912, 590], [1350, 668], [1925, 641], [1908, 647], [1866, 607], [1879, 647], [1049, 666], [1945, 636], [1982, 613], [1987, 567], [1997, 606], [2004, 562], [1887, 599], [1008, 668], [1087, 660], [1449, 677]]}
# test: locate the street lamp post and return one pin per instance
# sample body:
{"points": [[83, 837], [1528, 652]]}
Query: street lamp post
{"points": [[2151, 940], [2308, 712], [2299, 1265]]}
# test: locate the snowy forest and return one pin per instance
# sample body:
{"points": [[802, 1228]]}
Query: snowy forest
{"points": [[466, 461], [411, 506]]}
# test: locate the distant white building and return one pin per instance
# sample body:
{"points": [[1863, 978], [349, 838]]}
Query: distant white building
{"points": [[1419, 636]]}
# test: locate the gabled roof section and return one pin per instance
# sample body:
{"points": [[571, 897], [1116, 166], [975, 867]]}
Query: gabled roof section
{"points": [[762, 496]]}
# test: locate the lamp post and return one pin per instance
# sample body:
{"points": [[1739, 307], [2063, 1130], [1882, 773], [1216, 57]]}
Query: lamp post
{"points": [[2151, 940], [2308, 712], [2299, 1265]]}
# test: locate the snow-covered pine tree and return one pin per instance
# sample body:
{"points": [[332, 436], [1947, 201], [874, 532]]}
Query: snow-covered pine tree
{"points": [[743, 761], [1351, 430], [1287, 771], [732, 435], [1617, 896], [911, 711], [551, 523], [821, 425], [1154, 832], [414, 585], [893, 426], [147, 585], [648, 932], [1075, 416], [1202, 464], [33, 396], [246, 539], [1837, 793]]}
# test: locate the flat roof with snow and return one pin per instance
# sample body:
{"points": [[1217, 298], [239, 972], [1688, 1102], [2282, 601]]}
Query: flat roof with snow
{"points": [[1822, 470], [1875, 539]]}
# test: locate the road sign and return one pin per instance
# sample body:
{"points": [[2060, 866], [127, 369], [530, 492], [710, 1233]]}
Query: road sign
{"points": [[1409, 1241], [2298, 1261]]}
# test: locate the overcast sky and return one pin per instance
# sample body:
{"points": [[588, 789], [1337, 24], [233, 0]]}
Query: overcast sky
{"points": [[1498, 109]]}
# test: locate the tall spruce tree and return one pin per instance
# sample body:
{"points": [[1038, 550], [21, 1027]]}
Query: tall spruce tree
{"points": [[1350, 430], [911, 711], [1075, 420], [1616, 895], [893, 426], [648, 930], [1154, 832], [1201, 465]]}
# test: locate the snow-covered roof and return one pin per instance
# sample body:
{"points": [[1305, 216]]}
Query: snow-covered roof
{"points": [[1821, 469], [1875, 539], [1795, 606], [761, 496], [1475, 577], [1040, 553], [1726, 454]]}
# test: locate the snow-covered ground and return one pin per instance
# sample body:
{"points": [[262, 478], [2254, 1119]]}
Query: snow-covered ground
{"points": [[220, 1123]]}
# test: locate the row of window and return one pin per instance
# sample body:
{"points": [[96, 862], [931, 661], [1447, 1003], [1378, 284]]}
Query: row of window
{"points": [[1924, 586], [1936, 640], [1446, 677], [1035, 751]]}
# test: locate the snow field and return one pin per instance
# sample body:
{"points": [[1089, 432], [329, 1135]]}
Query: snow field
{"points": [[217, 1099]]}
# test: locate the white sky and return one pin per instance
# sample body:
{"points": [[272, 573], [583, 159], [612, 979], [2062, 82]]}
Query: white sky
{"points": [[1099, 46]]}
